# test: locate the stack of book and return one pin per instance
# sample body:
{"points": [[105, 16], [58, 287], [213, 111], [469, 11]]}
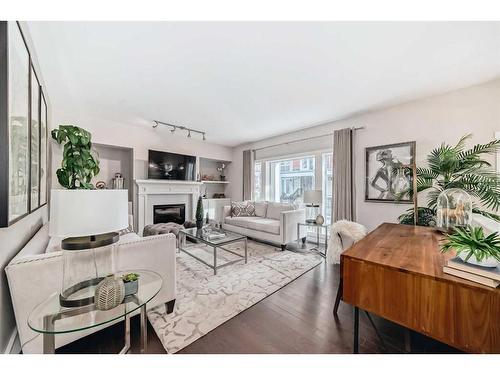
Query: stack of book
{"points": [[482, 275]]}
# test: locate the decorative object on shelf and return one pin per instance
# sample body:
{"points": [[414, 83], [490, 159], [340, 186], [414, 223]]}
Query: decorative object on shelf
{"points": [[221, 168], [208, 177], [175, 127], [109, 293], [454, 209], [80, 162], [100, 185], [472, 246], [458, 167], [118, 181], [89, 221], [219, 195], [131, 281], [23, 144], [320, 220], [199, 213], [312, 200], [382, 172]]}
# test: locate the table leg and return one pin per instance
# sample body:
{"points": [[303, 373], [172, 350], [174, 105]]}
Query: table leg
{"points": [[317, 238], [215, 260], [144, 330], [246, 250], [326, 240], [298, 234], [49, 345], [355, 348], [126, 348]]}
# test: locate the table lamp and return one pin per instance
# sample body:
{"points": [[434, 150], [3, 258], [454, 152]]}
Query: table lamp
{"points": [[312, 200], [88, 221]]}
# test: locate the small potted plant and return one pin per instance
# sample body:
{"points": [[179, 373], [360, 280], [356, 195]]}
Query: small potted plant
{"points": [[472, 246], [131, 281]]}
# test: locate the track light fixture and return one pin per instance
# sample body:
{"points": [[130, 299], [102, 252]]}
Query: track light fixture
{"points": [[175, 127]]}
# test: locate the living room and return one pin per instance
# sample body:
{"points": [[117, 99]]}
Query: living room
{"points": [[250, 187]]}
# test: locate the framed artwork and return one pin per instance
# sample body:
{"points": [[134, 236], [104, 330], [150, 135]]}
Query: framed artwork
{"points": [[34, 142], [43, 150], [385, 177], [23, 135]]}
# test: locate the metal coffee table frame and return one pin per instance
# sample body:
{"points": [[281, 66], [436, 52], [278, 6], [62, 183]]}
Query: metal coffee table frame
{"points": [[214, 246]]}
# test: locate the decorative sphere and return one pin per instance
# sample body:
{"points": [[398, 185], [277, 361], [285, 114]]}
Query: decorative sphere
{"points": [[320, 219], [109, 293]]}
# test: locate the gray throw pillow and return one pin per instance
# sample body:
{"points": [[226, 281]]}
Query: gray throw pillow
{"points": [[240, 209]]}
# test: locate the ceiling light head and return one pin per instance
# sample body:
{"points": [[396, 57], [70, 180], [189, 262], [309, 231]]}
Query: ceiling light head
{"points": [[189, 133], [155, 125], [204, 137], [172, 130]]}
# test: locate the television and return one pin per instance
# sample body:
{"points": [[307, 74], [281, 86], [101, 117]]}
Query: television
{"points": [[170, 166]]}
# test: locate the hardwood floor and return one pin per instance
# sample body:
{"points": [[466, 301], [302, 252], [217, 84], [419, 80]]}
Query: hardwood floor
{"points": [[296, 319]]}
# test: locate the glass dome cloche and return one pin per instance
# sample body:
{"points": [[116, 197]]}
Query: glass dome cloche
{"points": [[454, 208]]}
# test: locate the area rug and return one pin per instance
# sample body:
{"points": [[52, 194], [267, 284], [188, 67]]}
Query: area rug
{"points": [[205, 301]]}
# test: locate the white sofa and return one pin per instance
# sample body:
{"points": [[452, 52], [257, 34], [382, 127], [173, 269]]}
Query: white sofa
{"points": [[34, 275], [273, 222]]}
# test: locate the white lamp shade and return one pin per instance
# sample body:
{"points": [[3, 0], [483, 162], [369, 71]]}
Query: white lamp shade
{"points": [[78, 213], [313, 197]]}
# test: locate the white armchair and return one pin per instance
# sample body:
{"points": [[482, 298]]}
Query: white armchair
{"points": [[35, 275]]}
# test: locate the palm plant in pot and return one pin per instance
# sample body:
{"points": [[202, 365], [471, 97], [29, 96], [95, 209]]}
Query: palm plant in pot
{"points": [[473, 246], [458, 167]]}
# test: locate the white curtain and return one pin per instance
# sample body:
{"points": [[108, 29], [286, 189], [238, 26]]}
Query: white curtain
{"points": [[247, 174]]}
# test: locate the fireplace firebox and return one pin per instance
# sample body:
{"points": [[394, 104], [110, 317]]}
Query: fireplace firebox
{"points": [[169, 213]]}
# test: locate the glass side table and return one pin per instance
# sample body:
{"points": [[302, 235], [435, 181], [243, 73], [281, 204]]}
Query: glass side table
{"points": [[50, 319], [318, 227]]}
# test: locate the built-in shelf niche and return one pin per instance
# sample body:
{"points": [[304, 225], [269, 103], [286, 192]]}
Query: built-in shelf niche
{"points": [[113, 159], [208, 167]]}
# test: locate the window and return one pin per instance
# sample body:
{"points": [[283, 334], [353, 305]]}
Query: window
{"points": [[288, 179], [327, 174], [258, 192]]}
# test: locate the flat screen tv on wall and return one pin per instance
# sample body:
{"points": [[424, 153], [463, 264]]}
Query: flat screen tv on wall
{"points": [[170, 166]]}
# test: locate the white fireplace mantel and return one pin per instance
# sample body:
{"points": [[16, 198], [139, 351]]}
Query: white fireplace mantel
{"points": [[150, 192]]}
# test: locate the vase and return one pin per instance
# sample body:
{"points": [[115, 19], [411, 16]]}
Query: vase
{"points": [[488, 262]]}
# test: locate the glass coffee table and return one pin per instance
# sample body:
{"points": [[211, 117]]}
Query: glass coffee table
{"points": [[203, 236], [50, 319]]}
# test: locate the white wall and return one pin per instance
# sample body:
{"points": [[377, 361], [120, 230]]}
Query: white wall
{"points": [[140, 136], [13, 238], [430, 121]]}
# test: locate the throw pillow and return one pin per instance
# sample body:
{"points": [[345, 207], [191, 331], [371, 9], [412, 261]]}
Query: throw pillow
{"points": [[260, 209], [240, 209]]}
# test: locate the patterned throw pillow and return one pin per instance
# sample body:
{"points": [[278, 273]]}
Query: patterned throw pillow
{"points": [[239, 209]]}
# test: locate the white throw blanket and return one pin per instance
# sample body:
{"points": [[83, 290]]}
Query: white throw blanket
{"points": [[345, 228]]}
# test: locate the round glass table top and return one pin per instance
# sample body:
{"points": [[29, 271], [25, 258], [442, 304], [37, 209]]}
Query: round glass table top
{"points": [[50, 317]]}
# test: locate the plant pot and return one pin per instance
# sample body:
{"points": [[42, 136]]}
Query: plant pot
{"points": [[489, 262], [199, 224], [131, 287]]}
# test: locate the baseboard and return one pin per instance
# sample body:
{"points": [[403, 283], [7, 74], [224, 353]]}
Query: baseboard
{"points": [[14, 345]]}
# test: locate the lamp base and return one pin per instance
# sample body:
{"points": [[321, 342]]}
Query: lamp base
{"points": [[77, 290]]}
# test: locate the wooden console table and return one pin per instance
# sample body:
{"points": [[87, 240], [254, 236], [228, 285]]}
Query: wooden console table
{"points": [[396, 272]]}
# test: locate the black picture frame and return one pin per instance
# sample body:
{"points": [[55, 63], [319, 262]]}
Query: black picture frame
{"points": [[33, 169], [406, 151]]}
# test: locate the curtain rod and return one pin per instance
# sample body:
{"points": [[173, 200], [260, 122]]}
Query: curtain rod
{"points": [[301, 140]]}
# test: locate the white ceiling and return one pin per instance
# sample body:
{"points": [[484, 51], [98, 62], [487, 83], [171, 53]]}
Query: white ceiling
{"points": [[241, 82]]}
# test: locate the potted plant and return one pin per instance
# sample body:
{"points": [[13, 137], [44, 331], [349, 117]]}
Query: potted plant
{"points": [[199, 213], [457, 167], [472, 246], [80, 163], [131, 281]]}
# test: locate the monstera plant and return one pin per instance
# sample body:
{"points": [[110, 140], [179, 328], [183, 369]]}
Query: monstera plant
{"points": [[80, 163], [458, 167]]}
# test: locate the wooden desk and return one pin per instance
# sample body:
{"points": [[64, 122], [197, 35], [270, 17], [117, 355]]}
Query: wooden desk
{"points": [[396, 272]]}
